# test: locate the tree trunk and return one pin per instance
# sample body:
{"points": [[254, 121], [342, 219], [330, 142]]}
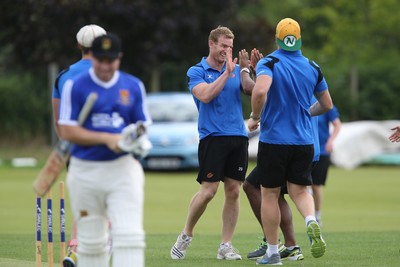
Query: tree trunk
{"points": [[155, 78]]}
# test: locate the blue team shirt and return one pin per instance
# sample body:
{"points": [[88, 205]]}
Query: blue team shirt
{"points": [[314, 123], [323, 127], [223, 115], [74, 70], [120, 102], [286, 118]]}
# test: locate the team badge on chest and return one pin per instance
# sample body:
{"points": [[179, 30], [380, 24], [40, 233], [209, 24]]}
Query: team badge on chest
{"points": [[124, 96]]}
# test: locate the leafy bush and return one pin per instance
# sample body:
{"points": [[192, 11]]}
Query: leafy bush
{"points": [[25, 110]]}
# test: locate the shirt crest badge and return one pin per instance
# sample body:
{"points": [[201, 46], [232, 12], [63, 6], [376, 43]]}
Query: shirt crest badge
{"points": [[124, 96]]}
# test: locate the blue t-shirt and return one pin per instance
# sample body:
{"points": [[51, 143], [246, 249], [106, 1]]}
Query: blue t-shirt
{"points": [[323, 127], [120, 102], [72, 71], [314, 123], [223, 115], [286, 117]]}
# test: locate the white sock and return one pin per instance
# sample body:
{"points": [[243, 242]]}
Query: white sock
{"points": [[227, 244], [272, 249], [127, 257], [90, 260], [310, 218]]}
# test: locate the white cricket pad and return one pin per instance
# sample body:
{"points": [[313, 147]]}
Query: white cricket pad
{"points": [[92, 234]]}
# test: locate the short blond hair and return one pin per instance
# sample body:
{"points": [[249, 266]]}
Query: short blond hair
{"points": [[220, 31]]}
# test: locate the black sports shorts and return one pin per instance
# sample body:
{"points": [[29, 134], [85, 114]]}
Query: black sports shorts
{"points": [[254, 179], [320, 172], [278, 164], [223, 156]]}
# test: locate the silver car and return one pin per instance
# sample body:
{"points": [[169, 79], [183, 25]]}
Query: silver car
{"points": [[173, 133]]}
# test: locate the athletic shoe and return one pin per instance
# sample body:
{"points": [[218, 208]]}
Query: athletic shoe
{"points": [[275, 259], [228, 252], [258, 252], [178, 250], [70, 260], [294, 254], [318, 245]]}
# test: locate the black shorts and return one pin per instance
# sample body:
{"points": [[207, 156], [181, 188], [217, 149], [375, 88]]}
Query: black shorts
{"points": [[254, 179], [223, 156], [320, 172], [278, 164]]}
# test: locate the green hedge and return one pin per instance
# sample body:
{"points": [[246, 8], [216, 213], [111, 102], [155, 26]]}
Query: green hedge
{"points": [[25, 107]]}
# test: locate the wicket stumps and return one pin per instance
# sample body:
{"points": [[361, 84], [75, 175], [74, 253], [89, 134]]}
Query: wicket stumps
{"points": [[50, 248], [38, 231], [62, 223]]}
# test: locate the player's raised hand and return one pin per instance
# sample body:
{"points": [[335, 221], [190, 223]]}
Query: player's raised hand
{"points": [[230, 64], [244, 59], [254, 58]]}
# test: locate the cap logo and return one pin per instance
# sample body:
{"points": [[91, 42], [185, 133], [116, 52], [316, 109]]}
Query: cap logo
{"points": [[106, 44], [290, 40]]}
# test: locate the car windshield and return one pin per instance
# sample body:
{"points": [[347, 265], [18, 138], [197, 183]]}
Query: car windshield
{"points": [[172, 109]]}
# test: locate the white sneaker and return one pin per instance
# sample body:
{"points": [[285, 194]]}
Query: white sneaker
{"points": [[178, 250], [227, 252]]}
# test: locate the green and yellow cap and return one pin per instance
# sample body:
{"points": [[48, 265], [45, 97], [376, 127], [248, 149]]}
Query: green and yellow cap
{"points": [[288, 34]]}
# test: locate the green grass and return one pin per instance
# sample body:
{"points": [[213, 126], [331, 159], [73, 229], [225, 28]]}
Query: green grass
{"points": [[361, 220]]}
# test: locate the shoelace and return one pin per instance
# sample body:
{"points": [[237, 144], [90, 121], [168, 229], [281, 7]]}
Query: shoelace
{"points": [[262, 244], [182, 244], [229, 249]]}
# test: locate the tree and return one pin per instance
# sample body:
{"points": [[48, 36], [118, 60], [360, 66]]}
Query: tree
{"points": [[161, 39], [359, 52], [155, 34]]}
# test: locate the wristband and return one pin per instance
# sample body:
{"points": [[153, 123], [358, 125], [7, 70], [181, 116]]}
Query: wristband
{"points": [[245, 70], [254, 117]]}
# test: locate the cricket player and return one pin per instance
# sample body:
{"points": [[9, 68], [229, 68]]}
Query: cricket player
{"points": [[216, 83], [84, 38], [104, 182], [282, 108]]}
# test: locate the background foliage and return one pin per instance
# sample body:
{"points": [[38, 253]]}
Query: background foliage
{"points": [[354, 42]]}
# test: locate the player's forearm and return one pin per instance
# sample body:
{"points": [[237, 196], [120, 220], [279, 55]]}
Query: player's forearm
{"points": [[323, 105], [207, 92], [259, 95], [316, 109], [258, 99], [81, 136], [337, 124], [247, 82]]}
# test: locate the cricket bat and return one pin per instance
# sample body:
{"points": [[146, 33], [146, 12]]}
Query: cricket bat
{"points": [[59, 156]]}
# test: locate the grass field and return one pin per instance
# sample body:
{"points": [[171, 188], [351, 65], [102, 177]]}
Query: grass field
{"points": [[361, 219]]}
